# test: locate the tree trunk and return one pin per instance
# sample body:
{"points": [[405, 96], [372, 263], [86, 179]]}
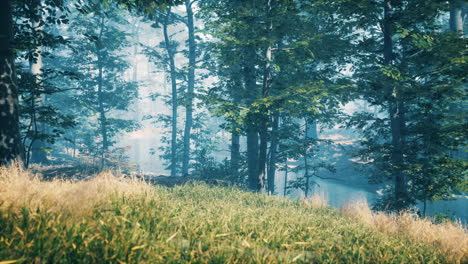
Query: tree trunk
{"points": [[11, 148], [102, 113], [252, 159], [273, 154], [38, 154], [310, 134], [457, 16], [286, 170], [190, 87], [264, 115], [396, 115], [100, 95], [235, 155], [170, 54], [137, 111], [251, 91]]}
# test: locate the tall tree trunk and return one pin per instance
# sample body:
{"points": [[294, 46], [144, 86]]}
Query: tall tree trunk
{"points": [[251, 91], [235, 133], [137, 116], [172, 67], [264, 115], [457, 18], [38, 154], [273, 154], [396, 115], [100, 95], [102, 113], [10, 141], [190, 87]]}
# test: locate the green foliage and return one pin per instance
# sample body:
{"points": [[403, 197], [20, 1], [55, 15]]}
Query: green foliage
{"points": [[425, 79], [200, 224]]}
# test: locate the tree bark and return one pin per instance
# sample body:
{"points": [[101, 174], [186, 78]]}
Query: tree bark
{"points": [[190, 87], [11, 148], [172, 67]]}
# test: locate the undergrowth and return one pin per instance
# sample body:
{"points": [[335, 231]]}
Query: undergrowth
{"points": [[132, 222]]}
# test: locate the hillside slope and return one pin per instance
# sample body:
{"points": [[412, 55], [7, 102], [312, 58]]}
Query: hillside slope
{"points": [[114, 220]]}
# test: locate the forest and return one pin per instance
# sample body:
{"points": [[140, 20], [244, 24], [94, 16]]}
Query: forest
{"points": [[348, 108]]}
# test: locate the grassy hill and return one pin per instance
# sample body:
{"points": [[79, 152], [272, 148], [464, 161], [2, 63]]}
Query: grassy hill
{"points": [[115, 220]]}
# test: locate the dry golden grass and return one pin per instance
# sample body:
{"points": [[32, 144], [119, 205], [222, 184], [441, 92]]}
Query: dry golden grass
{"points": [[20, 188], [315, 201], [452, 238]]}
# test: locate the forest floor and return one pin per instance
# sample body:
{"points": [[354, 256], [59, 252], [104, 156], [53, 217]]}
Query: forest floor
{"points": [[111, 219]]}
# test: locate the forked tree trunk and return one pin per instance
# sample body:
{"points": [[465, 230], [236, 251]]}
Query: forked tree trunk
{"points": [[11, 148]]}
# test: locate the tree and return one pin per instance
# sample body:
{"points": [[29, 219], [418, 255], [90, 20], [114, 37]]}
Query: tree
{"points": [[10, 147], [192, 56], [401, 69], [101, 90], [274, 46]]}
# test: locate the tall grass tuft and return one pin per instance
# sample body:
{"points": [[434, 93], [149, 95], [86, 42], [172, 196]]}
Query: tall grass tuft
{"points": [[452, 238], [22, 189]]}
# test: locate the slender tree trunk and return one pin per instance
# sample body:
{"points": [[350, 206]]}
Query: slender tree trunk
{"points": [[285, 187], [170, 54], [310, 134], [273, 154], [457, 18], [137, 116], [396, 114], [235, 133], [102, 113], [10, 141], [190, 87], [251, 90], [252, 159], [424, 208], [100, 95], [264, 115], [38, 154]]}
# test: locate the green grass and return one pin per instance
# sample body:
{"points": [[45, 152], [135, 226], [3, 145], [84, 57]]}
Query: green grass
{"points": [[201, 224]]}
